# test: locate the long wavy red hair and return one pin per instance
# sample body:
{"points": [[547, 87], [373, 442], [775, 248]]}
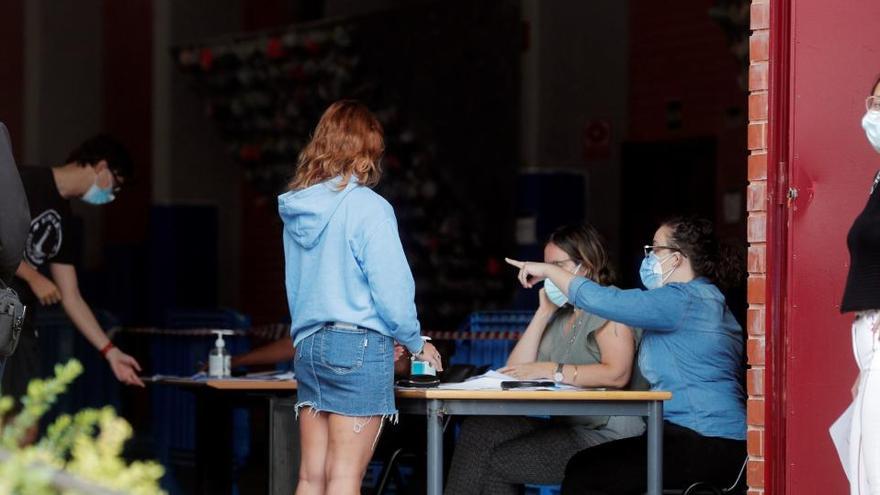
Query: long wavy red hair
{"points": [[348, 141]]}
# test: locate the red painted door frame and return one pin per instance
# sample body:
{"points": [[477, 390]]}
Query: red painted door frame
{"points": [[777, 240]]}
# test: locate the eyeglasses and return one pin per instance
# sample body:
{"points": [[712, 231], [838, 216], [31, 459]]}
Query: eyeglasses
{"points": [[872, 103], [650, 249]]}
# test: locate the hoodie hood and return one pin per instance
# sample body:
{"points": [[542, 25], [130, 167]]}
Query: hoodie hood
{"points": [[306, 212]]}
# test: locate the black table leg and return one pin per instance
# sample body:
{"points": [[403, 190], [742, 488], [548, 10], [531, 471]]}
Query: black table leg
{"points": [[214, 453], [283, 446]]}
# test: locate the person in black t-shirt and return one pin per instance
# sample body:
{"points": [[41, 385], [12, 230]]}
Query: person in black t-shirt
{"points": [[94, 173]]}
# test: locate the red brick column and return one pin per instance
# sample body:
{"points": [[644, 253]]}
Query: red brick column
{"points": [[757, 236]]}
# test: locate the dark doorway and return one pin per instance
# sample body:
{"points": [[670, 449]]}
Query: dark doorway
{"points": [[660, 180]]}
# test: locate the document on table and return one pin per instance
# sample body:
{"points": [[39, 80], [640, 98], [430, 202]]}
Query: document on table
{"points": [[491, 380], [269, 375], [272, 376]]}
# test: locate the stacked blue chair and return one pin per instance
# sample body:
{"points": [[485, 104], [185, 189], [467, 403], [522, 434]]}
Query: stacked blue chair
{"points": [[500, 329], [542, 490]]}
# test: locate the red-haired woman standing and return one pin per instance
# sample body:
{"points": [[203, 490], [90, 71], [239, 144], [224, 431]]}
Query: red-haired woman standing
{"points": [[351, 296]]}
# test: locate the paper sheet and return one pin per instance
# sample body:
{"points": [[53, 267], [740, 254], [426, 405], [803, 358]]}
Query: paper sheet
{"points": [[840, 437], [491, 380], [203, 377]]}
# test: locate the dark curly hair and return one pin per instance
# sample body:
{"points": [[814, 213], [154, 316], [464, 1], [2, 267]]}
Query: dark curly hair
{"points": [[695, 238], [103, 147], [585, 245]]}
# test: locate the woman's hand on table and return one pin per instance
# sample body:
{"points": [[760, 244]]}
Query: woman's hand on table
{"points": [[530, 371]]}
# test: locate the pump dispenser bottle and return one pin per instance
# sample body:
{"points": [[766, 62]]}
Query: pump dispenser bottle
{"points": [[219, 359]]}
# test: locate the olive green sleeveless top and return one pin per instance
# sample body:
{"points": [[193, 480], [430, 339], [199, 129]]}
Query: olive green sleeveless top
{"points": [[579, 346]]}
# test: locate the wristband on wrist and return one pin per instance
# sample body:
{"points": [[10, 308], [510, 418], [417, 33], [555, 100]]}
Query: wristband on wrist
{"points": [[107, 348]]}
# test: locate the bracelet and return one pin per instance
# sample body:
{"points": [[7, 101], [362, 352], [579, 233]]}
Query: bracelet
{"points": [[107, 348]]}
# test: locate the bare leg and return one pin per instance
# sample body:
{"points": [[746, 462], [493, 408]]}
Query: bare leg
{"points": [[314, 437], [349, 452]]}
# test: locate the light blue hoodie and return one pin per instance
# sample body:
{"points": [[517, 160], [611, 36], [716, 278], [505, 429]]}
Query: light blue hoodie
{"points": [[344, 263]]}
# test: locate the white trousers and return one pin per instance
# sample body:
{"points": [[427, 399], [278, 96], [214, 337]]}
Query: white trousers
{"points": [[864, 440]]}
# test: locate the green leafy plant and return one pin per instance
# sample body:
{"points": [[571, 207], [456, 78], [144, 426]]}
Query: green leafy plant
{"points": [[79, 454]]}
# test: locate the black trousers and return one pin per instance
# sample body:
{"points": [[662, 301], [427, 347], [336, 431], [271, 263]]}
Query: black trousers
{"points": [[621, 467]]}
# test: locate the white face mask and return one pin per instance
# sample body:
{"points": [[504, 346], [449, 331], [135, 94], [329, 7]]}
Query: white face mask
{"points": [[556, 296], [871, 125], [651, 271], [98, 195]]}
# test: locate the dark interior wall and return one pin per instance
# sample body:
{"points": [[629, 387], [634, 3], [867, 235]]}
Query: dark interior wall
{"points": [[64, 78], [453, 74], [679, 53], [687, 109], [574, 73], [12, 76], [126, 91], [261, 258], [684, 85], [196, 169]]}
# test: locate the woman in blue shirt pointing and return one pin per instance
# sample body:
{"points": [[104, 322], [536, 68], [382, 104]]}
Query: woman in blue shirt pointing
{"points": [[692, 346]]}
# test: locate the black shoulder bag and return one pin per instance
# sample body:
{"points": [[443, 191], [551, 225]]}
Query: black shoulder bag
{"points": [[12, 313]]}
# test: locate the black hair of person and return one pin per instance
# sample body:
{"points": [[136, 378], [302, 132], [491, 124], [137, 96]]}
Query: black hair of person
{"points": [[103, 147], [695, 238], [583, 244]]}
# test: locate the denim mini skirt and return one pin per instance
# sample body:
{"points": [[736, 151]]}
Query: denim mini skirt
{"points": [[347, 371]]}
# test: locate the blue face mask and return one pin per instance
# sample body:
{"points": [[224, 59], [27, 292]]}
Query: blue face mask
{"points": [[651, 271], [555, 294], [99, 195]]}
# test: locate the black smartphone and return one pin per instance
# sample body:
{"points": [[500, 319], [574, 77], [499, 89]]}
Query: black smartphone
{"points": [[507, 385]]}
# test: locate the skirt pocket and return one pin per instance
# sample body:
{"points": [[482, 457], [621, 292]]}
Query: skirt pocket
{"points": [[342, 350]]}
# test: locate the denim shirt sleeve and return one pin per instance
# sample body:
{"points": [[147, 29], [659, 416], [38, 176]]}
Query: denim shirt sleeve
{"points": [[391, 283], [660, 309]]}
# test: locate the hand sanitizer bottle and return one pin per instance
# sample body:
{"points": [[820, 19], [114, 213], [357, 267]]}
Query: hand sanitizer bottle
{"points": [[219, 359]]}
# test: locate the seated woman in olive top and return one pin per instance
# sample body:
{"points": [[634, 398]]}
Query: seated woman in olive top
{"points": [[495, 455]]}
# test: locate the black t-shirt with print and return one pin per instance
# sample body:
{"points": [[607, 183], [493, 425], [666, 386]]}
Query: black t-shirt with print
{"points": [[51, 238]]}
